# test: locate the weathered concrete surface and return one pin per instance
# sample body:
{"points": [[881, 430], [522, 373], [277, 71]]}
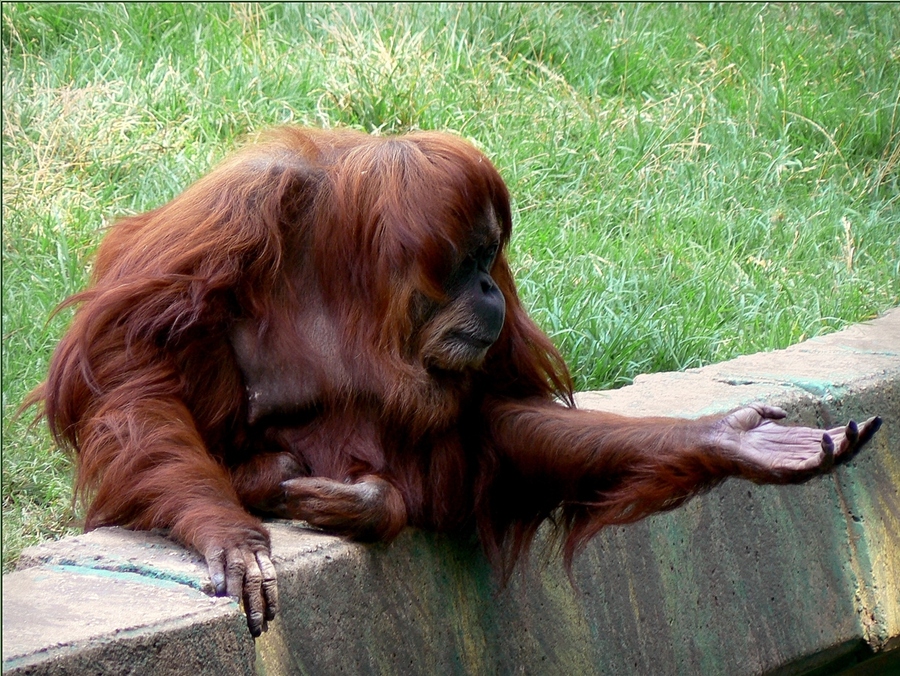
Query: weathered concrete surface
{"points": [[74, 619], [746, 580], [115, 602]]}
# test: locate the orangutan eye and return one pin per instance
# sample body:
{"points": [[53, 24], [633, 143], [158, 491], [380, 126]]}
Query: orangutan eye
{"points": [[490, 255]]}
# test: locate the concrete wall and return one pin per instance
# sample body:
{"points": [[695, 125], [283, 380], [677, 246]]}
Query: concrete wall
{"points": [[745, 580]]}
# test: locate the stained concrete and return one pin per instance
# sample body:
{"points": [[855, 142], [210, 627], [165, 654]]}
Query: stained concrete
{"points": [[744, 580]]}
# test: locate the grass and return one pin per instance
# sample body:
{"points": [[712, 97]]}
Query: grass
{"points": [[690, 182]]}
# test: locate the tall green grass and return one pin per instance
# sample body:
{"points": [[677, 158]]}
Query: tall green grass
{"points": [[690, 182]]}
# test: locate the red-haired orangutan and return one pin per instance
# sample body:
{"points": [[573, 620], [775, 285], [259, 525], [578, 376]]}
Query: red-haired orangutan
{"points": [[326, 328]]}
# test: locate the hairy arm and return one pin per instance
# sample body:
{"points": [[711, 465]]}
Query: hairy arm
{"points": [[141, 456], [338, 488], [604, 468], [129, 389]]}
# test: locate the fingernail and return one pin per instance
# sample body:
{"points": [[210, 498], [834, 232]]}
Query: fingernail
{"points": [[219, 584]]}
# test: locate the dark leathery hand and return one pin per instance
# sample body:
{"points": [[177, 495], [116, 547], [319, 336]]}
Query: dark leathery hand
{"points": [[769, 452], [246, 573]]}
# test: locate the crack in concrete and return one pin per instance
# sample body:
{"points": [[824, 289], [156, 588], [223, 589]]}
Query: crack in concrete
{"points": [[866, 603]]}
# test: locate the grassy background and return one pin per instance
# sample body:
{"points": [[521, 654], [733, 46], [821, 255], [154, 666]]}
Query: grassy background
{"points": [[690, 182]]}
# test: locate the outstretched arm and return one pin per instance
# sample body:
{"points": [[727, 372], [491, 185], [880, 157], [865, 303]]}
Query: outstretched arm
{"points": [[604, 468]]}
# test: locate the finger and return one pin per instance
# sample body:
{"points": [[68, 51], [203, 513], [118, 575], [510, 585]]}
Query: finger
{"points": [[851, 436], [828, 450], [234, 573], [254, 605], [216, 564], [868, 429], [771, 412], [863, 434], [269, 584]]}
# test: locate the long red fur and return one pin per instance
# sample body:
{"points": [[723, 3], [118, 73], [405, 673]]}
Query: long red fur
{"points": [[145, 386]]}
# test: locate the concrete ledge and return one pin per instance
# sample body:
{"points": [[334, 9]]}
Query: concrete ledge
{"points": [[745, 580]]}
